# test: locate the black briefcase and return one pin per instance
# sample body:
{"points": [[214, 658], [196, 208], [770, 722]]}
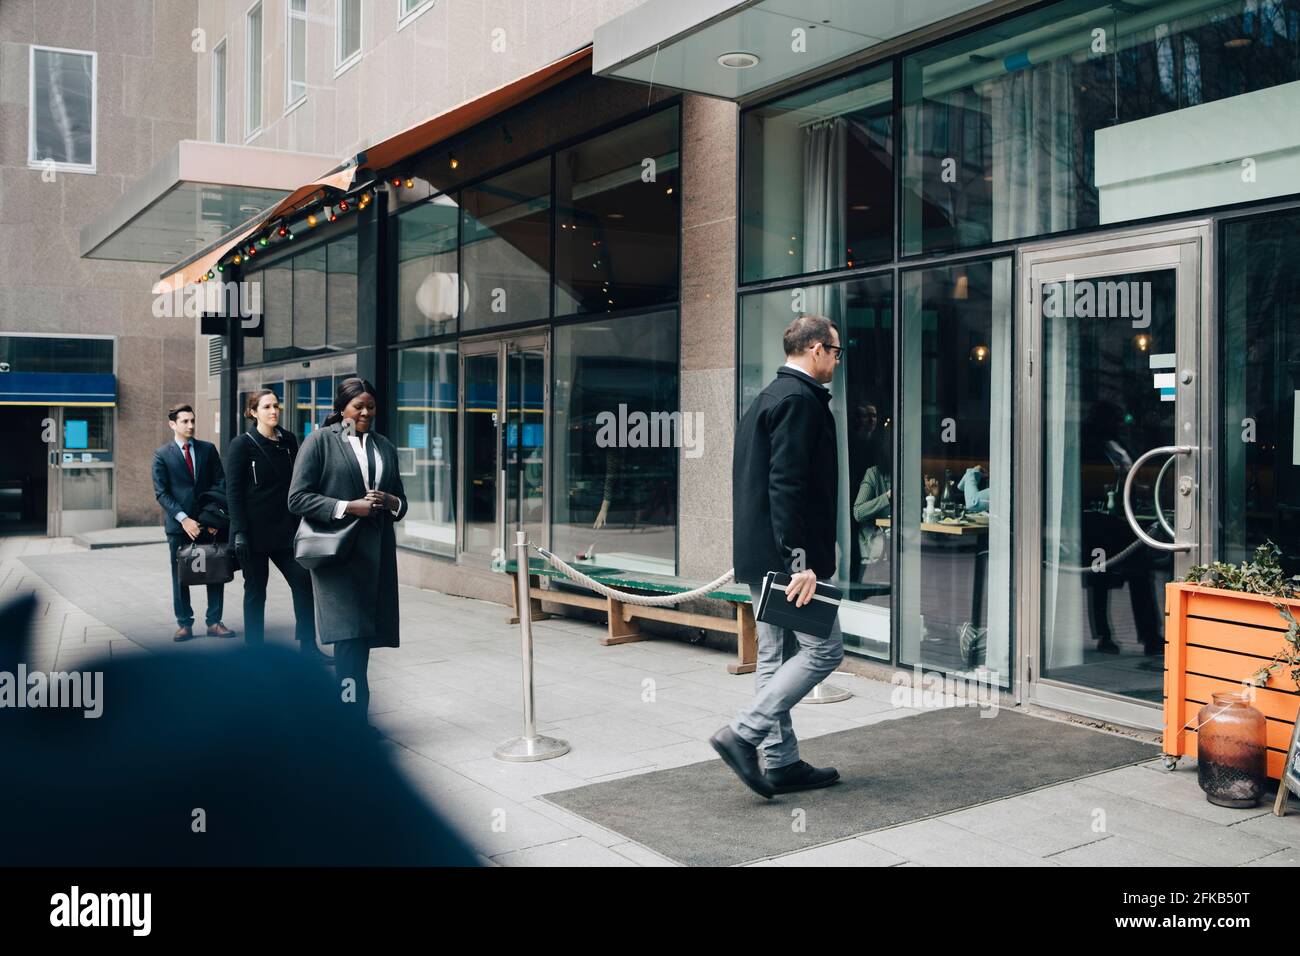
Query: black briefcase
{"points": [[205, 563], [817, 617]]}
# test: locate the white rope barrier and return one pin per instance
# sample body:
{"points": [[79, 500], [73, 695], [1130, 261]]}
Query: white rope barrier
{"points": [[626, 597]]}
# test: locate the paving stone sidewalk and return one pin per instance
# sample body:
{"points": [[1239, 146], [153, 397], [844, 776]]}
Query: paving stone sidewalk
{"points": [[451, 693]]}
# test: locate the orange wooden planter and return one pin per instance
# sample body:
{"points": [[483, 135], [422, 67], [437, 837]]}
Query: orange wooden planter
{"points": [[1214, 641]]}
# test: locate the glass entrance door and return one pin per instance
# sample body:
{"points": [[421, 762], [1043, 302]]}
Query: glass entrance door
{"points": [[1109, 490], [80, 470], [503, 445]]}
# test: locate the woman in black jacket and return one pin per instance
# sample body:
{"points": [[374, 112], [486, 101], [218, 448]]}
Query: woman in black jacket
{"points": [[347, 473], [258, 468]]}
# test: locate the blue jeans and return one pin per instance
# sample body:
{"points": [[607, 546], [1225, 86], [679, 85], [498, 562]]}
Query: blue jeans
{"points": [[781, 683]]}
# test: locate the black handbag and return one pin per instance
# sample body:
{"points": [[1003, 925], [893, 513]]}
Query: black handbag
{"points": [[212, 563], [316, 547]]}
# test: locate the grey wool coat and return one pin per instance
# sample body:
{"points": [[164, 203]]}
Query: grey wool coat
{"points": [[356, 598]]}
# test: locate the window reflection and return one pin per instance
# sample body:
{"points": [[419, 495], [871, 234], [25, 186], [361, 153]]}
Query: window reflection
{"points": [[506, 231], [1260, 363], [428, 293], [615, 495], [617, 198], [1010, 130], [424, 430], [817, 188], [954, 491]]}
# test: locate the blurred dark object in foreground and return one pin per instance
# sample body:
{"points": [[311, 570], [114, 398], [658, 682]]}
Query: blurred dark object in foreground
{"points": [[255, 738]]}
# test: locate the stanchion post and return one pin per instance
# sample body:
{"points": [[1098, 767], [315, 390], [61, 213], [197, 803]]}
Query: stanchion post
{"points": [[530, 746]]}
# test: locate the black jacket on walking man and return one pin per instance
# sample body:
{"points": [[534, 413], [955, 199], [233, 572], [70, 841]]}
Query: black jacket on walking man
{"points": [[185, 469], [259, 465], [785, 479]]}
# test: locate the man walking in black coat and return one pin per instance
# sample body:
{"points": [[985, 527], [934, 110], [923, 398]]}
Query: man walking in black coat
{"points": [[785, 477], [183, 470]]}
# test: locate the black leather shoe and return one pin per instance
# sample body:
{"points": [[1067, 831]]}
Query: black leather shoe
{"points": [[801, 776], [742, 758]]}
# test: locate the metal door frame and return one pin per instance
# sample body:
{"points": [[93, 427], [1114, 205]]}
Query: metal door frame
{"points": [[1188, 248], [501, 346]]}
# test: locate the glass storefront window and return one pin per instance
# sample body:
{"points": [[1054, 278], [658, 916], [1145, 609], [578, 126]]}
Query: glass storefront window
{"points": [[277, 311], [423, 427], [817, 183], [42, 353], [506, 254], [428, 288], [617, 199], [862, 400], [309, 305], [1086, 113], [1260, 374], [955, 562], [614, 407], [341, 293]]}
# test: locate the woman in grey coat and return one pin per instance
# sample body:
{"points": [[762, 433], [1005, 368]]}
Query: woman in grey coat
{"points": [[347, 472]]}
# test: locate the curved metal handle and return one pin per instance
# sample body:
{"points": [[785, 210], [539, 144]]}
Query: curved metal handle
{"points": [[1128, 505], [1160, 511]]}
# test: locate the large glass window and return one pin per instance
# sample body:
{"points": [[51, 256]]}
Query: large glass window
{"points": [[506, 232], [817, 185], [428, 288], [42, 353], [341, 293], [423, 427], [617, 430], [1086, 113], [61, 109], [277, 313], [309, 305], [617, 198], [1260, 368], [955, 553], [862, 401], [253, 71]]}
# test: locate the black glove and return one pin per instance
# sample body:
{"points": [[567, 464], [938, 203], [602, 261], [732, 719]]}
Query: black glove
{"points": [[242, 551]]}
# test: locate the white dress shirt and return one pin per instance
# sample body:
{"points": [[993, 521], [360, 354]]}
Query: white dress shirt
{"points": [[359, 450]]}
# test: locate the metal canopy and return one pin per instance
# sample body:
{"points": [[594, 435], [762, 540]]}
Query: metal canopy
{"points": [[678, 43], [193, 197]]}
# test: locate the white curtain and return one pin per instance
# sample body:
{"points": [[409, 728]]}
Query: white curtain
{"points": [[1062, 598], [1034, 177]]}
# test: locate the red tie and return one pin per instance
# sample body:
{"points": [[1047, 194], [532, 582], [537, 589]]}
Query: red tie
{"points": [[189, 462]]}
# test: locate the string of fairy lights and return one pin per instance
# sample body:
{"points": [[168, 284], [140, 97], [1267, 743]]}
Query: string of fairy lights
{"points": [[287, 228]]}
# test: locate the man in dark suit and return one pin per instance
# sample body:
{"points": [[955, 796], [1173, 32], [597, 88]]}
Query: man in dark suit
{"points": [[183, 469], [785, 479]]}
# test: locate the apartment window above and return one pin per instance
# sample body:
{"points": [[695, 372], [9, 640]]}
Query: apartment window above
{"points": [[61, 112], [408, 10], [253, 71], [295, 81], [347, 30], [219, 92]]}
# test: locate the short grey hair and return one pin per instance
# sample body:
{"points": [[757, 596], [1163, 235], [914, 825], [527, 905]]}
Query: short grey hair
{"points": [[805, 332]]}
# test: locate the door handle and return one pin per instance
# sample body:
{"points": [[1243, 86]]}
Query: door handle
{"points": [[1128, 504]]}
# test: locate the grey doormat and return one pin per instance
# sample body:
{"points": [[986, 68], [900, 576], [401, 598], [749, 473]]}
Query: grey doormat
{"points": [[891, 772]]}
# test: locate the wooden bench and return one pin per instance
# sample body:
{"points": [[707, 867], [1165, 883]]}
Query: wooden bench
{"points": [[623, 616]]}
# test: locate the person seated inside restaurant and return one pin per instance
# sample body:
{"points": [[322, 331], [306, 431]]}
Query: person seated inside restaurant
{"points": [[977, 498]]}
